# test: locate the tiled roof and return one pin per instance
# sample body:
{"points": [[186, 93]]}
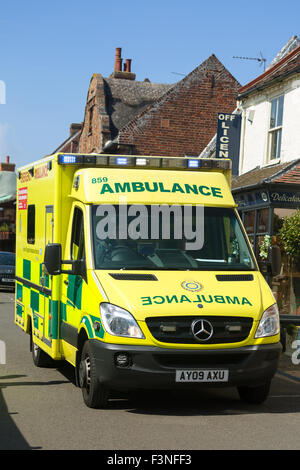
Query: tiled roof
{"points": [[134, 93], [128, 98], [210, 65], [292, 43], [66, 146], [288, 172], [290, 63], [291, 176]]}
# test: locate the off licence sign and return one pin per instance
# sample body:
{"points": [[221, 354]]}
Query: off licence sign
{"points": [[228, 138], [22, 198]]}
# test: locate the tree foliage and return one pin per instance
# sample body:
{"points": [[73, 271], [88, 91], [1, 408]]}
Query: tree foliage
{"points": [[290, 235]]}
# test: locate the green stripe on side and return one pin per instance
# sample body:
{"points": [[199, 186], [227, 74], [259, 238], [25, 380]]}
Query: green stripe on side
{"points": [[74, 290], [87, 322], [35, 321], [98, 333], [34, 301], [19, 292], [54, 310], [27, 269], [19, 310], [63, 311], [45, 277]]}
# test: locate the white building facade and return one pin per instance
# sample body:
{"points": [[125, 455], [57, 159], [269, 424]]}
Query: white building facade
{"points": [[268, 186], [270, 107]]}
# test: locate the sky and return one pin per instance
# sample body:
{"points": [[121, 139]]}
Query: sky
{"points": [[50, 50]]}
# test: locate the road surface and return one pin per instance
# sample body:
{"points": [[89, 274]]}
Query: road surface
{"points": [[42, 409]]}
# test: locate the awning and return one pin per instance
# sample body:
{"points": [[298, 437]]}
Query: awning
{"points": [[8, 185]]}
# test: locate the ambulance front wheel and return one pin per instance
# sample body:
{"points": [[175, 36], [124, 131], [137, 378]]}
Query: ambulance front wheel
{"points": [[94, 394]]}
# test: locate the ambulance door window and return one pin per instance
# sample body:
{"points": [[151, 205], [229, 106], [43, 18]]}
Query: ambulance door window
{"points": [[77, 253], [77, 240], [31, 224]]}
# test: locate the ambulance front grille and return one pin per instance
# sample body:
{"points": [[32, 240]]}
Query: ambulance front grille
{"points": [[179, 329], [133, 277], [191, 360], [234, 277]]}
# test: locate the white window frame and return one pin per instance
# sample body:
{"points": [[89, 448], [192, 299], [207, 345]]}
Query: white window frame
{"points": [[274, 130]]}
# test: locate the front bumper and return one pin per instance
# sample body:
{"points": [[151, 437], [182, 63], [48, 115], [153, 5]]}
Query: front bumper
{"points": [[155, 368]]}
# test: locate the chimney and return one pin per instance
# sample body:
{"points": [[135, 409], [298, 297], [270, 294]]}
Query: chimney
{"points": [[128, 65], [126, 72], [118, 60], [7, 166], [74, 128]]}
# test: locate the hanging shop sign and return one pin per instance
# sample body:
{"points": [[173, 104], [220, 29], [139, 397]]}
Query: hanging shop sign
{"points": [[228, 138], [289, 198], [263, 197]]}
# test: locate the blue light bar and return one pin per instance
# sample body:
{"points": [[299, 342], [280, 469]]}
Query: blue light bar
{"points": [[121, 161], [67, 159], [175, 163], [193, 163]]}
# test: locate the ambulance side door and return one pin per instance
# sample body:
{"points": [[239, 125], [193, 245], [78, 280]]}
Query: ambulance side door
{"points": [[72, 284], [46, 280]]}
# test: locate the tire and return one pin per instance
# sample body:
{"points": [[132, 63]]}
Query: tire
{"points": [[254, 395], [283, 338], [39, 357], [94, 394]]}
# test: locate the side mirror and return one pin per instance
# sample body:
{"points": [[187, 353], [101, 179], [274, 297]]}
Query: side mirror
{"points": [[53, 262], [52, 259], [274, 260]]}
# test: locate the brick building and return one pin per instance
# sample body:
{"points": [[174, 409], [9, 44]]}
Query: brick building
{"points": [[7, 205], [123, 115], [71, 144]]}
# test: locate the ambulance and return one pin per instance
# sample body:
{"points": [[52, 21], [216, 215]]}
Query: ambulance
{"points": [[138, 272]]}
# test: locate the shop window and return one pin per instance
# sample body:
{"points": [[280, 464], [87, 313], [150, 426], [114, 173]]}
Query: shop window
{"points": [[249, 222], [262, 221], [259, 240], [286, 286], [275, 128], [251, 239]]}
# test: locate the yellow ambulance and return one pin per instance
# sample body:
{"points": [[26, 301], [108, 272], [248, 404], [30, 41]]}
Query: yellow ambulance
{"points": [[138, 272]]}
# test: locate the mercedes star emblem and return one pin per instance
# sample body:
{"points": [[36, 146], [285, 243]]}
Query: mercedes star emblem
{"points": [[202, 330]]}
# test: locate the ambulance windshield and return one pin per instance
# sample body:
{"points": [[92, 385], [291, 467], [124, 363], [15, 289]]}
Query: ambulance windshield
{"points": [[169, 238]]}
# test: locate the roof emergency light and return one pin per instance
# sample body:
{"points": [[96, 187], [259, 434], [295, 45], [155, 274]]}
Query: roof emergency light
{"points": [[133, 161], [193, 163], [67, 159], [141, 161], [121, 160]]}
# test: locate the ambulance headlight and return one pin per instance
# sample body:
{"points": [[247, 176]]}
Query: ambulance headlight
{"points": [[269, 324], [119, 322]]}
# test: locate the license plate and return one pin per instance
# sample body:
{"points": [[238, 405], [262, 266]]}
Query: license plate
{"points": [[196, 375], [5, 279]]}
